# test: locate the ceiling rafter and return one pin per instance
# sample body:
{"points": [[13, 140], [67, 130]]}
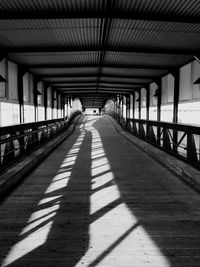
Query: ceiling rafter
{"points": [[103, 75], [92, 90], [105, 65], [68, 49], [84, 83], [100, 86], [116, 14]]}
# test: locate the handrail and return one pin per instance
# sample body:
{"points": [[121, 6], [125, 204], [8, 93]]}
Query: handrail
{"points": [[181, 140], [24, 126], [17, 140]]}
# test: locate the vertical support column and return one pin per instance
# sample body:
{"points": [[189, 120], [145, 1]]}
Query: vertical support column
{"points": [[128, 106], [176, 75], [124, 107], [121, 106], [117, 107], [62, 106], [114, 101], [176, 95], [147, 100], [35, 83], [147, 109], [57, 101], [133, 104], [45, 100], [67, 106], [139, 106], [21, 73], [159, 84], [52, 102]]}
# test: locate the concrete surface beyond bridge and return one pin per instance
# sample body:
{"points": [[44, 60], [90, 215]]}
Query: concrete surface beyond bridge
{"points": [[98, 200]]}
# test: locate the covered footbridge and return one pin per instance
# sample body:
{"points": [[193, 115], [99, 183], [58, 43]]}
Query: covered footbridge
{"points": [[99, 133]]}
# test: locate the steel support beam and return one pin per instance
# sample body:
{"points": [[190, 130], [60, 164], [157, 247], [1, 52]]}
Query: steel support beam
{"points": [[120, 49], [102, 75], [103, 65], [115, 13]]}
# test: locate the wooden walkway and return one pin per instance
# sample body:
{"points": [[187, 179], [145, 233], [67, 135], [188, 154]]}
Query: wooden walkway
{"points": [[98, 200]]}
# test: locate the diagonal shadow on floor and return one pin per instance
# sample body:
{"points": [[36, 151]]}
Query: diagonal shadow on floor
{"points": [[65, 221]]}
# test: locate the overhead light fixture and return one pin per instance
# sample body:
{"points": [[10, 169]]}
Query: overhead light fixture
{"points": [[156, 93]]}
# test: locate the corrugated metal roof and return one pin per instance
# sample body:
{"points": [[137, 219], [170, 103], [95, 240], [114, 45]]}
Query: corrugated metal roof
{"points": [[56, 58], [68, 79], [133, 72], [146, 59], [50, 5], [101, 41], [49, 33], [63, 71], [159, 7], [159, 35]]}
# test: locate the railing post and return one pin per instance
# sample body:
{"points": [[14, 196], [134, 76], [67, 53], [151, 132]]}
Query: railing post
{"points": [[191, 148]]}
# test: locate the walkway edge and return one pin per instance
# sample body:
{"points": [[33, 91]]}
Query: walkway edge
{"points": [[186, 172], [21, 169]]}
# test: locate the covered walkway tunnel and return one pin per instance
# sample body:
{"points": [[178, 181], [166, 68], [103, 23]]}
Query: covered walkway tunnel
{"points": [[99, 133]]}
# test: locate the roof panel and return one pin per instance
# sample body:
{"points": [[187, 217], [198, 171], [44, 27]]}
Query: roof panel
{"points": [[68, 79], [56, 58], [125, 80], [49, 33], [157, 7], [50, 5], [133, 72], [146, 59], [154, 35], [160, 7], [63, 71]]}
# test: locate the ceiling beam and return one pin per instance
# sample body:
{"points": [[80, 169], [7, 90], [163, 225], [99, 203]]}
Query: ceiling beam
{"points": [[99, 87], [73, 49], [92, 65], [76, 14], [84, 84], [102, 75], [100, 90]]}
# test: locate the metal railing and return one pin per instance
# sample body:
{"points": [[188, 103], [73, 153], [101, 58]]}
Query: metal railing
{"points": [[183, 141], [20, 139]]}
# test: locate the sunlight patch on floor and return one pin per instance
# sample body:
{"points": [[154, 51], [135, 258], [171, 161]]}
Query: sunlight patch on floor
{"points": [[116, 236], [35, 233]]}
